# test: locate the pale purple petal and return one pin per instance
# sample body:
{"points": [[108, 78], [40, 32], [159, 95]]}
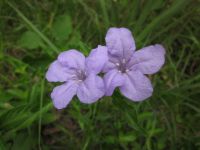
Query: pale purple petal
{"points": [[112, 79], [109, 66], [58, 73], [91, 89], [149, 59], [63, 94], [97, 59], [72, 59], [120, 43], [137, 86]]}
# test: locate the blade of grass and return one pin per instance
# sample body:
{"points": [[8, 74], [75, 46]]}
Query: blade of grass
{"points": [[166, 15], [105, 14]]}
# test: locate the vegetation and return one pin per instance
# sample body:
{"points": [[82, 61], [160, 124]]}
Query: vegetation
{"points": [[33, 32]]}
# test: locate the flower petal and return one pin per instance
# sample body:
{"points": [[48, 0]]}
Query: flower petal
{"points": [[58, 73], [120, 42], [91, 89], [72, 59], [97, 59], [137, 86], [112, 79], [108, 66], [63, 94], [149, 59]]}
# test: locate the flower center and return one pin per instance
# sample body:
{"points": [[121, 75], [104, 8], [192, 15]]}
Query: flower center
{"points": [[81, 75], [122, 67]]}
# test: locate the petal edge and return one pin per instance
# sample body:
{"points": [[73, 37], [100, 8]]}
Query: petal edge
{"points": [[91, 89], [120, 43], [57, 72], [63, 94], [137, 87], [97, 59], [149, 59], [112, 79]]}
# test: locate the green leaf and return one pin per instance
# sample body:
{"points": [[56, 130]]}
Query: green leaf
{"points": [[110, 139], [30, 40], [62, 27], [124, 138]]}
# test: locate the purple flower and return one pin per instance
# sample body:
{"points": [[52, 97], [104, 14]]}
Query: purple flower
{"points": [[126, 67], [79, 75]]}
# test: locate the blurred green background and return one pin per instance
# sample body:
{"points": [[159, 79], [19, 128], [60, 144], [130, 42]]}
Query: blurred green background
{"points": [[33, 32]]}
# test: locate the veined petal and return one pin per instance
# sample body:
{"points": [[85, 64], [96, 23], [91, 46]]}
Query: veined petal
{"points": [[120, 43], [72, 59], [91, 89], [97, 59], [137, 86], [58, 73], [149, 59], [63, 94], [112, 79]]}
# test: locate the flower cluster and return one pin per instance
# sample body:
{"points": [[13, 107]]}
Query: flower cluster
{"points": [[123, 67]]}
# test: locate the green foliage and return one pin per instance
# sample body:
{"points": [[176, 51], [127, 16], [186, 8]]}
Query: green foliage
{"points": [[62, 27], [30, 40], [34, 32]]}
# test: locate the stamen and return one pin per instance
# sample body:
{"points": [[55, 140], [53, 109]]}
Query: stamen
{"points": [[122, 66]]}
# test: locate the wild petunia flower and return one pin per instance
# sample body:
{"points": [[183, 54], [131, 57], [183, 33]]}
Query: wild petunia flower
{"points": [[126, 68], [79, 75]]}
